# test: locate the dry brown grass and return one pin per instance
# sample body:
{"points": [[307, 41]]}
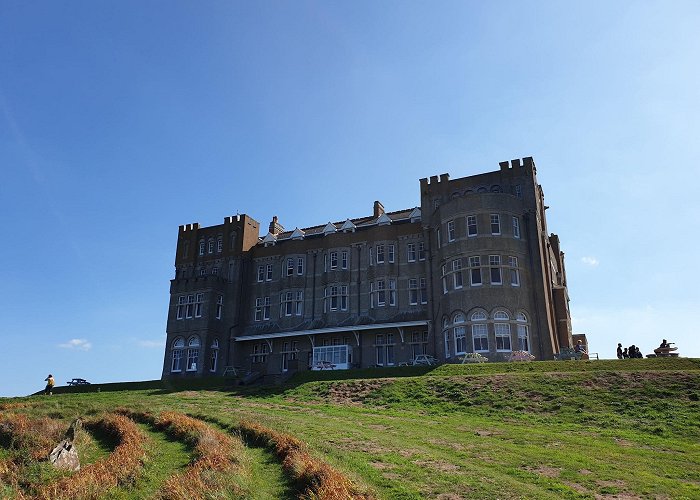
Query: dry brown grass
{"points": [[217, 463], [35, 437], [120, 468], [315, 479]]}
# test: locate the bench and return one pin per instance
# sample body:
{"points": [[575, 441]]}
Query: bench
{"points": [[324, 365], [232, 370], [78, 381]]}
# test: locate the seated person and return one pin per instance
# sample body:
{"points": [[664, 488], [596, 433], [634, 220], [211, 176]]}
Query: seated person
{"points": [[664, 344], [579, 347]]}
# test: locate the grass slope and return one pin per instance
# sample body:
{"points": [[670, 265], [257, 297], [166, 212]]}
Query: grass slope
{"points": [[595, 429]]}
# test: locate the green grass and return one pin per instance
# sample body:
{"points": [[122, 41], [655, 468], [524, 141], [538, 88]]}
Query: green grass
{"points": [[165, 456], [560, 429]]}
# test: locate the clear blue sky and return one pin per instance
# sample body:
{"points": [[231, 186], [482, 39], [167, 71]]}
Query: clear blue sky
{"points": [[120, 121]]}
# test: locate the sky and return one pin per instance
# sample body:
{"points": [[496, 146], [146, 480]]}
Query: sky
{"points": [[120, 121]]}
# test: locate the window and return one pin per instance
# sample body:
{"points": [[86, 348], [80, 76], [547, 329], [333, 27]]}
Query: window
{"points": [[287, 304], [502, 336], [381, 293], [201, 247], [480, 336], [290, 267], [344, 259], [181, 303], [380, 254], [203, 271], [260, 352], [413, 291], [334, 260], [495, 224], [261, 273], [457, 273], [199, 299], [471, 225], [444, 279], [299, 303], [392, 292], [495, 269], [190, 307], [336, 298], [451, 231], [518, 191], [289, 353], [233, 240], [514, 272], [215, 271], [219, 306], [384, 346], [390, 249], [262, 308], [186, 249], [421, 251], [192, 353], [214, 355], [178, 346], [523, 336], [475, 270], [423, 291], [446, 333], [230, 271], [419, 344], [219, 244], [516, 227], [411, 252], [268, 276], [300, 266], [210, 247], [460, 334], [439, 239], [371, 256]]}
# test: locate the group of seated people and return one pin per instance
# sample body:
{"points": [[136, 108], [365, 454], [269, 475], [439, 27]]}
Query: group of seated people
{"points": [[628, 352], [634, 352]]}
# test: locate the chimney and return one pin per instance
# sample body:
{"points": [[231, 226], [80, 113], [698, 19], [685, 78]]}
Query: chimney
{"points": [[275, 227], [378, 209]]}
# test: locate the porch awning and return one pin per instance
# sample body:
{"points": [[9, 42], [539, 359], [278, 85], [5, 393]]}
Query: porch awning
{"points": [[335, 329]]}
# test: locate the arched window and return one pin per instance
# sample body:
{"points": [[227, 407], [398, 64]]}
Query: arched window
{"points": [[479, 316], [501, 316], [214, 355], [480, 335], [460, 334], [178, 347], [502, 330], [192, 353], [496, 189], [202, 246], [523, 332], [210, 246]]}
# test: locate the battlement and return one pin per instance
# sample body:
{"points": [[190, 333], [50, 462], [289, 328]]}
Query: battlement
{"points": [[434, 180], [526, 162], [189, 227]]}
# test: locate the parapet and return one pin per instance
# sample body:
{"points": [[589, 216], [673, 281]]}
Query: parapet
{"points": [[189, 227], [526, 162], [434, 180]]}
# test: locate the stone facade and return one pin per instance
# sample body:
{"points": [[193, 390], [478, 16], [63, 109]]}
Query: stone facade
{"points": [[472, 269]]}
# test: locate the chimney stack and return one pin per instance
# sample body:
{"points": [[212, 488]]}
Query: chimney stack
{"points": [[275, 227], [378, 209]]}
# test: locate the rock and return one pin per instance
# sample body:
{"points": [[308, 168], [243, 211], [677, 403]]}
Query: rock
{"points": [[65, 456]]}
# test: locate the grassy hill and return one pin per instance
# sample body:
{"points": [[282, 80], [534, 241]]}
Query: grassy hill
{"points": [[598, 429]]}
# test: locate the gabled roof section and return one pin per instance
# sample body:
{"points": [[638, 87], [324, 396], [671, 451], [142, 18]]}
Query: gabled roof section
{"points": [[329, 229], [415, 215], [348, 226], [297, 234], [269, 239], [383, 220]]}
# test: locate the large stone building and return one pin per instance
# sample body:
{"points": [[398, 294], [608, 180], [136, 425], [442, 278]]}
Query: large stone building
{"points": [[472, 269]]}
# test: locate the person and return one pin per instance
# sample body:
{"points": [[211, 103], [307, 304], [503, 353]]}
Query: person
{"points": [[49, 385], [579, 347], [665, 344], [638, 354], [619, 351], [625, 354]]}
